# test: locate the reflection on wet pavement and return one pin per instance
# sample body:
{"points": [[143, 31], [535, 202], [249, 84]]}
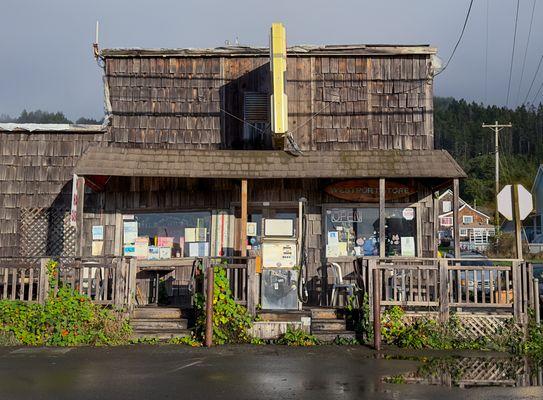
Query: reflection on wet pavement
{"points": [[468, 372]]}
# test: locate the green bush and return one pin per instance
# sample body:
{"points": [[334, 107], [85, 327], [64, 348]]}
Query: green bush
{"points": [[297, 337], [67, 318], [231, 321]]}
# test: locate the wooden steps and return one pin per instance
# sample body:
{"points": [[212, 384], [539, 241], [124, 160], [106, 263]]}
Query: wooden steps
{"points": [[328, 324], [162, 323]]}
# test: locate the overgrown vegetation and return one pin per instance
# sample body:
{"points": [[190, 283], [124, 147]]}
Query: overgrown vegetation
{"points": [[67, 318], [231, 321], [427, 333], [297, 337]]}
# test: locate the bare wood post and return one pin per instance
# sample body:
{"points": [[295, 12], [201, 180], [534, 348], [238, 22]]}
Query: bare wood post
{"points": [[516, 217], [529, 277], [443, 290], [456, 217], [243, 221], [536, 302], [209, 303], [517, 301], [80, 230], [376, 310], [43, 289], [252, 286], [131, 291], [382, 200]]}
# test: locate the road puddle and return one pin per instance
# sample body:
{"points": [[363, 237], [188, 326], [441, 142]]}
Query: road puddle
{"points": [[467, 372]]}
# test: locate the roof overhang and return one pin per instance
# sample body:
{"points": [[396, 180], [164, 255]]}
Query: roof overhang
{"points": [[267, 164]]}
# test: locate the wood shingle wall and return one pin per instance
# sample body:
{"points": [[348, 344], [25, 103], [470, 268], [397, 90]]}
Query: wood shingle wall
{"points": [[335, 102], [35, 169]]}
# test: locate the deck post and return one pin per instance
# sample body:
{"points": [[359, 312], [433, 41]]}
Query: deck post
{"points": [[376, 309], [536, 301], [209, 302], [443, 290], [456, 217], [252, 286], [517, 289], [43, 289], [131, 290], [80, 185], [243, 220], [382, 235]]}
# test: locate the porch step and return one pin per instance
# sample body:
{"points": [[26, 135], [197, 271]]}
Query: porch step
{"points": [[330, 336], [335, 325], [285, 316], [324, 313], [157, 313], [159, 324], [160, 334]]}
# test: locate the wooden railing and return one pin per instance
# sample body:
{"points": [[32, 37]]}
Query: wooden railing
{"points": [[445, 285], [20, 279]]}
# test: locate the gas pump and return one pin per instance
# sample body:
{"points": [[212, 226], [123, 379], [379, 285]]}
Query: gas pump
{"points": [[279, 265]]}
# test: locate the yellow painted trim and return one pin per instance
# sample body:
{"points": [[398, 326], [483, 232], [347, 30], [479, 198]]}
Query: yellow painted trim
{"points": [[278, 68]]}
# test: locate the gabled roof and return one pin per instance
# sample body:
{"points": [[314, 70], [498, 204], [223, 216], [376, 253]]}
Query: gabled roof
{"points": [[449, 192], [462, 207], [538, 178], [262, 164]]}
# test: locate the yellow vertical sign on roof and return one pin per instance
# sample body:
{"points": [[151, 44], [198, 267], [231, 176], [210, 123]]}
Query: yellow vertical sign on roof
{"points": [[278, 67]]}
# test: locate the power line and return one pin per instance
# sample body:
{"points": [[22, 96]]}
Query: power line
{"points": [[526, 50], [533, 80], [486, 52], [537, 94], [512, 55]]}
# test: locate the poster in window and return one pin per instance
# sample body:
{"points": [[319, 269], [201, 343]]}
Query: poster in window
{"points": [[251, 229], [333, 238], [97, 247], [98, 232], [130, 232], [154, 253], [201, 234], [190, 235], [408, 213], [142, 248], [129, 250], [165, 252], [408, 246], [165, 241], [332, 250], [198, 249]]}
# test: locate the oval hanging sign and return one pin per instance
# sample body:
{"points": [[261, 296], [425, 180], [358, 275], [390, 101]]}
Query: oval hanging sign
{"points": [[367, 190]]}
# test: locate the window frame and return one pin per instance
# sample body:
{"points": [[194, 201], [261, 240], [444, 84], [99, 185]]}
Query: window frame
{"points": [[467, 216], [418, 225]]}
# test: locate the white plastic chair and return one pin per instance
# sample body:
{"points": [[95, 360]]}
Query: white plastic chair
{"points": [[349, 288]]}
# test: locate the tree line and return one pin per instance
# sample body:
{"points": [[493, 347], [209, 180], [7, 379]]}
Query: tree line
{"points": [[457, 127], [46, 117]]}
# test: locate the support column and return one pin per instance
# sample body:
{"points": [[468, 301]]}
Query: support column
{"points": [[243, 221], [382, 217], [80, 230], [456, 217]]}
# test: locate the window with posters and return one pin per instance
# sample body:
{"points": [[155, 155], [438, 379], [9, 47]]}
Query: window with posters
{"points": [[164, 235], [354, 231]]}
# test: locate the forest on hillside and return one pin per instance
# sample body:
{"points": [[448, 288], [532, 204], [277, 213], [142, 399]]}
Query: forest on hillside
{"points": [[457, 127]]}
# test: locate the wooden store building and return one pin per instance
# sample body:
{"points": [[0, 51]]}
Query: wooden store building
{"points": [[192, 158]]}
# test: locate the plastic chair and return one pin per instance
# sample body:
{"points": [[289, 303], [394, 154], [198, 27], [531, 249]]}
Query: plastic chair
{"points": [[349, 288]]}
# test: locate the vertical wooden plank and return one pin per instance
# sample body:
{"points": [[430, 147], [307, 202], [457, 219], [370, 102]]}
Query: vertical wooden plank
{"points": [[22, 276], [14, 273], [459, 285], [118, 244], [133, 267], [243, 221], [507, 285], [89, 282], [105, 284], [43, 282], [80, 230], [382, 218], [456, 217], [491, 285], [443, 291], [252, 283], [419, 297], [5, 284], [475, 288], [483, 286], [31, 283], [499, 286]]}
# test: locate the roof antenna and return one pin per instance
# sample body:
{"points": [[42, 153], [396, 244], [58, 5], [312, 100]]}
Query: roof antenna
{"points": [[95, 48]]}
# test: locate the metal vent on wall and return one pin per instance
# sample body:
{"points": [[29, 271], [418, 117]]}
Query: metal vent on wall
{"points": [[256, 107], [45, 232]]}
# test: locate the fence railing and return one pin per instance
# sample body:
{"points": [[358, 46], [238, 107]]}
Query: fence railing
{"points": [[445, 285], [20, 279]]}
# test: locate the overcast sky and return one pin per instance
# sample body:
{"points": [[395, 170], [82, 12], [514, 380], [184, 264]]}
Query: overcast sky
{"points": [[46, 59]]}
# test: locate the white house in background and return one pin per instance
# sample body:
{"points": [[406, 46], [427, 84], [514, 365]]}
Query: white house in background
{"points": [[474, 225]]}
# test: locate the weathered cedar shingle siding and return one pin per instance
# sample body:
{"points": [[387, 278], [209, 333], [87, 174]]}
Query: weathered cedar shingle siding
{"points": [[338, 102], [34, 171]]}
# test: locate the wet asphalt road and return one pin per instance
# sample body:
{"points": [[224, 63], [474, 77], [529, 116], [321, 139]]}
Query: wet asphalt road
{"points": [[228, 372]]}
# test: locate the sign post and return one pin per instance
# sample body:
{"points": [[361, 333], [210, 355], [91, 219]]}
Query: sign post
{"points": [[515, 203]]}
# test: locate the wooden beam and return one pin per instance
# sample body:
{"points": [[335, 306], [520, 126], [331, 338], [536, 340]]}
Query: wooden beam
{"points": [[243, 222], [382, 217], [456, 217], [80, 229], [516, 218]]}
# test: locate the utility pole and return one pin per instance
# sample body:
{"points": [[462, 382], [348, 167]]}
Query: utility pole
{"points": [[497, 128]]}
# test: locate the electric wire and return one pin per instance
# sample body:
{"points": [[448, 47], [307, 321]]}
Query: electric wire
{"points": [[537, 94], [512, 55], [533, 80], [526, 50], [486, 54]]}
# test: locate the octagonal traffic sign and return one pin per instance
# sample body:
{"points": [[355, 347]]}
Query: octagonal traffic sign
{"points": [[505, 202]]}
